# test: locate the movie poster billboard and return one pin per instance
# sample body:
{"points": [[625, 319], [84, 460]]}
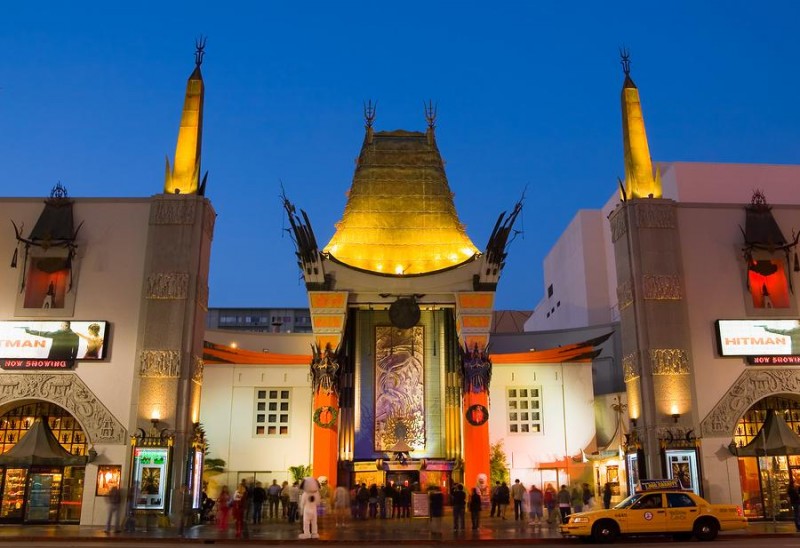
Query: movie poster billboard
{"points": [[762, 342], [150, 466], [51, 344]]}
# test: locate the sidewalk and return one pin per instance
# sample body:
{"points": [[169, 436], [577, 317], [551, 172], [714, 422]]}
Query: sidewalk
{"points": [[368, 532]]}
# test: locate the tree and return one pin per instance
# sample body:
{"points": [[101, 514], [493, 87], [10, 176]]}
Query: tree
{"points": [[299, 472], [497, 463]]}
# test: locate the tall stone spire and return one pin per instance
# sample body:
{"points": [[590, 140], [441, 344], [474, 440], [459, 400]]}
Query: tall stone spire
{"points": [[640, 182], [184, 176]]}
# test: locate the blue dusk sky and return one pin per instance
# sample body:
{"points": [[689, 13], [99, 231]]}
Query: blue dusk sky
{"points": [[528, 96]]}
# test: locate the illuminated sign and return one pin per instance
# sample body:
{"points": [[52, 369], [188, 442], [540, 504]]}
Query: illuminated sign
{"points": [[150, 466], [51, 344], [762, 342]]}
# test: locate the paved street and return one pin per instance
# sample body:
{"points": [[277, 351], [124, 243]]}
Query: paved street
{"points": [[416, 531]]}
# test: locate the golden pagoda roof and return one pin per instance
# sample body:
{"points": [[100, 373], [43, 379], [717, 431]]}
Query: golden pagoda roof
{"points": [[400, 218]]}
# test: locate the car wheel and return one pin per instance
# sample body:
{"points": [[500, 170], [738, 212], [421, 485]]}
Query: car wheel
{"points": [[605, 531], [706, 529]]}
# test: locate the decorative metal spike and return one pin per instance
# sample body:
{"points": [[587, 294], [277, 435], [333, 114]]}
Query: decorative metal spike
{"points": [[796, 263], [625, 60], [430, 113], [16, 250], [200, 46], [369, 113]]}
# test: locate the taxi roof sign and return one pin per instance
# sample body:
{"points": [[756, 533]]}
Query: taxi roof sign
{"points": [[659, 485]]}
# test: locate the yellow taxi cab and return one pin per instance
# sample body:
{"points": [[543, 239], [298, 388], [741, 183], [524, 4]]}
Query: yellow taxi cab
{"points": [[660, 507]]}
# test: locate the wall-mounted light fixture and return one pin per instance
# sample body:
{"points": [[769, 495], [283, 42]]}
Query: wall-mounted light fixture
{"points": [[675, 414]]}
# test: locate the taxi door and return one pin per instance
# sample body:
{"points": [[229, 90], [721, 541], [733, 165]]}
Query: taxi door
{"points": [[647, 515], [681, 512]]}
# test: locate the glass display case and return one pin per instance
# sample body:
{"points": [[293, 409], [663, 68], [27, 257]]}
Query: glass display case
{"points": [[150, 466], [13, 493], [71, 494], [44, 490]]}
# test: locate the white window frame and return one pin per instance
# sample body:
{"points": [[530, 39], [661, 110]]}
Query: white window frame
{"points": [[524, 410], [272, 412]]}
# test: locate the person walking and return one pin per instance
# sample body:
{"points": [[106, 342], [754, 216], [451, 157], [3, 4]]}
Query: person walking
{"points": [[794, 500], [459, 500], [494, 498], [536, 504], [588, 497], [475, 508], [517, 494], [503, 499], [607, 496], [273, 499], [259, 497], [576, 499], [292, 512], [223, 509], [341, 505], [550, 502], [563, 499], [114, 505], [436, 507]]}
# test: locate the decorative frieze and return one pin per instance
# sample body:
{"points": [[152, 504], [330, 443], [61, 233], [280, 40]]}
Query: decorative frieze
{"points": [[630, 367], [619, 226], [669, 361], [160, 363], [751, 386], [178, 211], [655, 216], [662, 287], [70, 392], [168, 285], [197, 370], [625, 294]]}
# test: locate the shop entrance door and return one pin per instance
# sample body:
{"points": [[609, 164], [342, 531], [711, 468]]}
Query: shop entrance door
{"points": [[44, 491]]}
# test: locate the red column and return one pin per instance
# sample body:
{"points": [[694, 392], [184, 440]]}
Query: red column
{"points": [[326, 436], [476, 437]]}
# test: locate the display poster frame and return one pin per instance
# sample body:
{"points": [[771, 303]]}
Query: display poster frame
{"points": [[108, 475], [763, 341], [151, 467], [197, 477], [52, 344]]}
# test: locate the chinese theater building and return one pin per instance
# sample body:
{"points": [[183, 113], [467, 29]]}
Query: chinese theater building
{"points": [[703, 280], [102, 333], [401, 306]]}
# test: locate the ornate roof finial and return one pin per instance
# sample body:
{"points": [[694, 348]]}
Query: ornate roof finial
{"points": [[200, 46], [369, 113], [625, 60], [430, 113], [58, 191]]}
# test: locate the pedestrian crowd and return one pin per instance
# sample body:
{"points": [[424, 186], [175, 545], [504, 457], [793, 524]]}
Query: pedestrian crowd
{"points": [[252, 503]]}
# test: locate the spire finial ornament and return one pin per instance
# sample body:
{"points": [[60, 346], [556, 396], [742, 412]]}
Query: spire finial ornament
{"points": [[369, 113], [200, 46], [430, 113], [625, 60]]}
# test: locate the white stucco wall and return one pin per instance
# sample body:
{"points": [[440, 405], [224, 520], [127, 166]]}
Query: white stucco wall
{"points": [[567, 411]]}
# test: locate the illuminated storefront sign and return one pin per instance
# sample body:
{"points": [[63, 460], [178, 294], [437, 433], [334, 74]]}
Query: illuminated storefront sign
{"points": [[51, 344], [762, 342]]}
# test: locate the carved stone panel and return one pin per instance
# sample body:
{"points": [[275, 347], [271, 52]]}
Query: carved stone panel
{"points": [[662, 287], [630, 367], [168, 285], [655, 216], [197, 371], [160, 363], [173, 212], [669, 361], [625, 294], [71, 393], [751, 386], [619, 226]]}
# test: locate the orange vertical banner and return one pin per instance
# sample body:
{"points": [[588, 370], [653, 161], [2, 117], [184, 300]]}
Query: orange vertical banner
{"points": [[476, 437], [326, 436]]}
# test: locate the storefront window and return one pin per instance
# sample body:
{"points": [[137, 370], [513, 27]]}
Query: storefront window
{"points": [[71, 494]]}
